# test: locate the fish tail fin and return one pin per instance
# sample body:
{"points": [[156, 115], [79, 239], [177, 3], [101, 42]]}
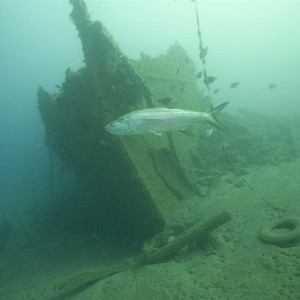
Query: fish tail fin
{"points": [[213, 116]]}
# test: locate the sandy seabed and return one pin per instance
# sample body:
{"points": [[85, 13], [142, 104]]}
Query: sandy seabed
{"points": [[239, 266]]}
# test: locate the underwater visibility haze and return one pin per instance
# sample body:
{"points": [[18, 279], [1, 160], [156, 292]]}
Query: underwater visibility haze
{"points": [[125, 174]]}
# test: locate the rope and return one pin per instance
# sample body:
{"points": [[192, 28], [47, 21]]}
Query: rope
{"points": [[51, 184], [202, 54]]}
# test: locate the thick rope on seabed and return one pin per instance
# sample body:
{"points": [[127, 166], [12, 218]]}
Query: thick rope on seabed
{"points": [[150, 256], [189, 236]]}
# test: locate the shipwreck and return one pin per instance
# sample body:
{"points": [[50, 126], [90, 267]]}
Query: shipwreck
{"points": [[138, 179]]}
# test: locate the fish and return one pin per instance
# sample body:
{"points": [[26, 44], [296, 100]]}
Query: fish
{"points": [[159, 120], [234, 85], [272, 86], [199, 74], [209, 79], [216, 91]]}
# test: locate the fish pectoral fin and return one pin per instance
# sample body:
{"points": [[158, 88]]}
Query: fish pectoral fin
{"points": [[156, 132], [209, 131]]}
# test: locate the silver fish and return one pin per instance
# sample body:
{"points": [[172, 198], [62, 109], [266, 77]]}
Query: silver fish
{"points": [[158, 120]]}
